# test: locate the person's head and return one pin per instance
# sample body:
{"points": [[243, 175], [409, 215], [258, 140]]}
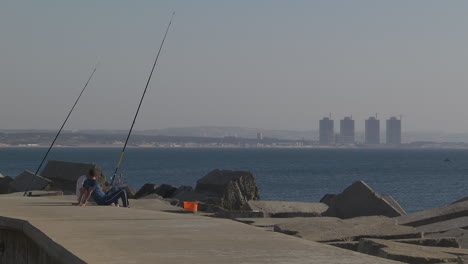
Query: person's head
{"points": [[91, 173]]}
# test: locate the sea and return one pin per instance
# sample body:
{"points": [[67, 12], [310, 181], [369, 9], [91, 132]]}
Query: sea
{"points": [[418, 179]]}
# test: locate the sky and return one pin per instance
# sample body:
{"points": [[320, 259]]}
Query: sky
{"points": [[262, 64]]}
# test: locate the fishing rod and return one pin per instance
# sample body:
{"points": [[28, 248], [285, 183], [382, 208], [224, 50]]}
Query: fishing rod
{"points": [[60, 130], [141, 100]]}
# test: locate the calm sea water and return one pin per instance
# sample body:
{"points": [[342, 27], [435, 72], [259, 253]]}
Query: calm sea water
{"points": [[418, 178]]}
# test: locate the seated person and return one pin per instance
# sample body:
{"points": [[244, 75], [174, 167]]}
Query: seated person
{"points": [[92, 187], [79, 185]]}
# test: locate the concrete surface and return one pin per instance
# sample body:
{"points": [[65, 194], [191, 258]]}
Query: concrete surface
{"points": [[460, 222], [435, 215], [287, 209], [329, 229], [460, 234], [410, 253], [106, 234]]}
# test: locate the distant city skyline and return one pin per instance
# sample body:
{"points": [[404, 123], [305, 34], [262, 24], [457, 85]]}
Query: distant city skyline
{"points": [[263, 64]]}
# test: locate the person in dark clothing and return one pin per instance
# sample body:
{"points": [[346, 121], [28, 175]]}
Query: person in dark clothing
{"points": [[92, 188]]}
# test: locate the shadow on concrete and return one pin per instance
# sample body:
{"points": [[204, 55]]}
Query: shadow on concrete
{"points": [[51, 204]]}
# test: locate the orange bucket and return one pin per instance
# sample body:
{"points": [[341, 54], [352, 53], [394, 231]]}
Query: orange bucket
{"points": [[191, 206]]}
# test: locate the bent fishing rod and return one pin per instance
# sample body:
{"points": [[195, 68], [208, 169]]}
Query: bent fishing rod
{"points": [[60, 131], [141, 100]]}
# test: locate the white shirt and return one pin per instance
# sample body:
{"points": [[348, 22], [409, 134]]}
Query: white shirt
{"points": [[79, 185]]}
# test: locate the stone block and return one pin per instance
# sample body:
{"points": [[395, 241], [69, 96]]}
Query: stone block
{"points": [[228, 189], [360, 200], [64, 174], [27, 181]]}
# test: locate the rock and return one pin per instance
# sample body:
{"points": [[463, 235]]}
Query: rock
{"points": [[228, 189], [207, 208], [394, 203], [182, 190], [409, 253], [360, 200], [331, 229], [152, 196], [145, 190], [286, 209], [435, 215], [5, 184], [327, 198], [462, 260], [165, 190], [27, 181], [64, 174], [191, 197], [130, 192]]}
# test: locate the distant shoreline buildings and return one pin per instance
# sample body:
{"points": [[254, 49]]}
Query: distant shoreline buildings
{"points": [[347, 131]]}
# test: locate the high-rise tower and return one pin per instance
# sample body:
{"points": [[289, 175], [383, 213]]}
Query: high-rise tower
{"points": [[394, 131], [372, 132], [326, 131], [347, 130]]}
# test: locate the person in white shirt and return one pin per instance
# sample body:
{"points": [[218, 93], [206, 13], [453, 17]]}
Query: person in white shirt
{"points": [[79, 185]]}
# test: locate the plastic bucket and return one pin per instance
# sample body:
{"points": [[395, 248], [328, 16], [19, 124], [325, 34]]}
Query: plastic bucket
{"points": [[191, 206]]}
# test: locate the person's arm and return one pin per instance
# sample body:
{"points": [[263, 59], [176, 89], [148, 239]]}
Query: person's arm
{"points": [[90, 191], [82, 191]]}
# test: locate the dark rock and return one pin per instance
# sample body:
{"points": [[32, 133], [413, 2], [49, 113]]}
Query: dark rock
{"points": [[130, 192], [165, 190], [360, 200], [327, 198], [182, 190], [228, 189], [5, 184], [389, 199], [27, 181], [145, 190], [208, 208], [152, 196], [64, 174]]}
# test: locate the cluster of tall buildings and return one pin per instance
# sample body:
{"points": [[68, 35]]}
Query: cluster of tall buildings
{"points": [[347, 131]]}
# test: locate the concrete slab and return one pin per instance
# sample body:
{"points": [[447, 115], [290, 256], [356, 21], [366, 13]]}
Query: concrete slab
{"points": [[410, 253], [122, 235], [460, 234], [331, 229], [287, 209], [434, 215], [460, 222]]}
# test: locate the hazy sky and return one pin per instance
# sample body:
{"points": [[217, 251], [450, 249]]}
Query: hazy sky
{"points": [[265, 64]]}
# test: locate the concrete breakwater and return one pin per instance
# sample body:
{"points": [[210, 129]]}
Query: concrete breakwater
{"points": [[357, 220]]}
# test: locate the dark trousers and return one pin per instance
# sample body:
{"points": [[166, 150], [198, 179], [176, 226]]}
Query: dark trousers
{"points": [[113, 196]]}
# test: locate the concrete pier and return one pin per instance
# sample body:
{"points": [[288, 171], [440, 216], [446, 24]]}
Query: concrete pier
{"points": [[53, 231]]}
